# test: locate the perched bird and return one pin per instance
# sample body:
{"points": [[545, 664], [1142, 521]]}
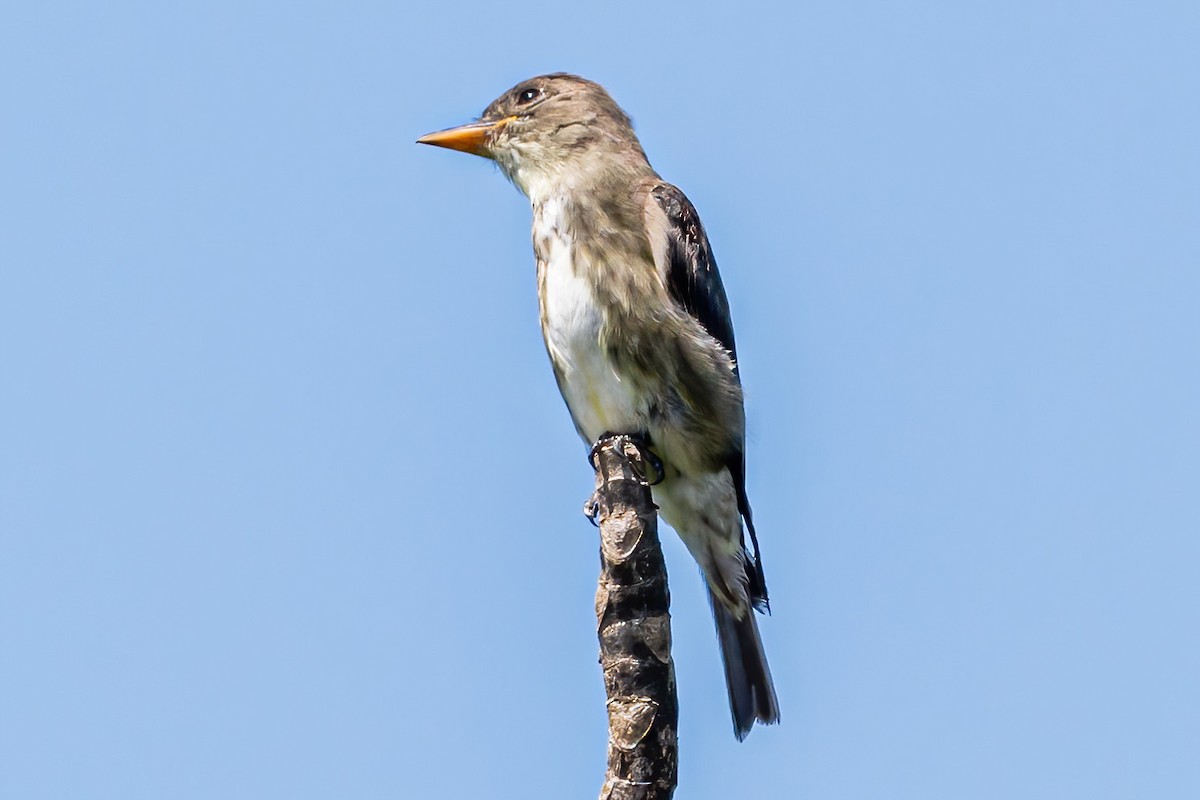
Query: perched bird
{"points": [[637, 326]]}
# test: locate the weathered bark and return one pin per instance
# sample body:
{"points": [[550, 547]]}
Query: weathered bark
{"points": [[634, 627]]}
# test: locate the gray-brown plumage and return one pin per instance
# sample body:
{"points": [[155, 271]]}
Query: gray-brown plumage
{"points": [[638, 330]]}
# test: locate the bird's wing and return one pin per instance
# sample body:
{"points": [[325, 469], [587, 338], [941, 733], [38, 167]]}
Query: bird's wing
{"points": [[689, 269], [685, 260]]}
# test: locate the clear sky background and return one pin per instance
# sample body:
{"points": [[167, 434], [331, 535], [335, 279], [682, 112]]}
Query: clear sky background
{"points": [[290, 506]]}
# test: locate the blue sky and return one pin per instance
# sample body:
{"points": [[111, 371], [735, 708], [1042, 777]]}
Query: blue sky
{"points": [[290, 507]]}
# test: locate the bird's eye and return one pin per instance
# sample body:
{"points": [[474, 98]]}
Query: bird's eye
{"points": [[528, 96]]}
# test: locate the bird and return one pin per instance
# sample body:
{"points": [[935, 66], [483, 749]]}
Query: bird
{"points": [[637, 326]]}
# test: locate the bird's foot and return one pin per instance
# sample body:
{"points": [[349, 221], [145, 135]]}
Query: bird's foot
{"points": [[591, 509], [650, 457], [594, 453], [646, 456]]}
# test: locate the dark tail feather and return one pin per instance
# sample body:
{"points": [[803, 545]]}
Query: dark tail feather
{"points": [[747, 676]]}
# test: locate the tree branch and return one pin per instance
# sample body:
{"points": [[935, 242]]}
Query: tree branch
{"points": [[634, 627]]}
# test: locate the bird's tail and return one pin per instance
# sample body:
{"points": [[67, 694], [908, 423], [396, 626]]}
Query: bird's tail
{"points": [[747, 676]]}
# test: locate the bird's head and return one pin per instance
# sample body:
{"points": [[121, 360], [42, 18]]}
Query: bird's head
{"points": [[549, 130]]}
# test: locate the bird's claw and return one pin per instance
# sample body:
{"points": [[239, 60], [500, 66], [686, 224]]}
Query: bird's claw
{"points": [[660, 473], [591, 509], [641, 444]]}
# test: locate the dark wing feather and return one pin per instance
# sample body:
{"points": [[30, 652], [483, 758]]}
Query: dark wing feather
{"points": [[692, 277], [694, 283]]}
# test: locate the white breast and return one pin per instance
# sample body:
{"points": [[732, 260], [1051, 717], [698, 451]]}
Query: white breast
{"points": [[599, 400]]}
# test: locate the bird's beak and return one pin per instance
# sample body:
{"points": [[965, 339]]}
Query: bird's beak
{"points": [[472, 138]]}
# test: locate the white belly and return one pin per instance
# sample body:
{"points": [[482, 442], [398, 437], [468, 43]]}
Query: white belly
{"points": [[600, 401]]}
